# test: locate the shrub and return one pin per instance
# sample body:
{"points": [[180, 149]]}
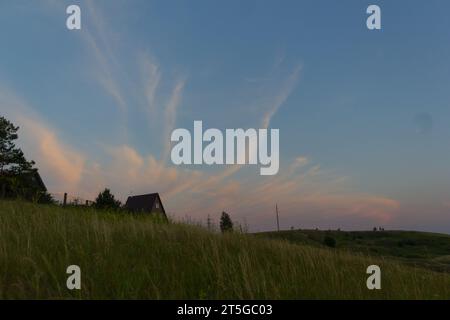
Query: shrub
{"points": [[329, 242]]}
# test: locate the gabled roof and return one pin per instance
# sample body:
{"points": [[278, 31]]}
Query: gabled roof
{"points": [[36, 177], [33, 178], [30, 177], [144, 202]]}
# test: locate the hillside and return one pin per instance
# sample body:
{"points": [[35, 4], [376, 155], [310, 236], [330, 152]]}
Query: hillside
{"points": [[429, 250], [126, 257]]}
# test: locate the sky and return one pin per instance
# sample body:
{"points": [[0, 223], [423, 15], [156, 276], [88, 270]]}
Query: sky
{"points": [[363, 115]]}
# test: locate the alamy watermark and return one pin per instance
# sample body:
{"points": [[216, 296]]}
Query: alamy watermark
{"points": [[374, 280], [249, 146], [73, 21], [74, 280]]}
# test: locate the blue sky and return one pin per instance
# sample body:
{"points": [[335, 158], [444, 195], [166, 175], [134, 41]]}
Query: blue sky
{"points": [[364, 116]]}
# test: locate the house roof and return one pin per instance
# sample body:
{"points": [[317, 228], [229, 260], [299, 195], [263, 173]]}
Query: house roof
{"points": [[143, 202], [36, 177], [30, 177]]}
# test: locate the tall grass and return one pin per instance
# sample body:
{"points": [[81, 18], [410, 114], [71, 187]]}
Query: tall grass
{"points": [[136, 257]]}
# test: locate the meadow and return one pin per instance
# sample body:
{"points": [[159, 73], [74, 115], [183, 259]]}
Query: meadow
{"points": [[125, 256], [421, 249]]}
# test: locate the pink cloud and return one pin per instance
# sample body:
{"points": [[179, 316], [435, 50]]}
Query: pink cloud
{"points": [[62, 166], [300, 188]]}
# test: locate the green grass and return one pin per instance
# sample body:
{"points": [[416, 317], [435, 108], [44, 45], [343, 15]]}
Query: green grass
{"points": [[422, 249], [136, 257]]}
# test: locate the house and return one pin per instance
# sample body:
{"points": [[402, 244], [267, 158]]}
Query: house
{"points": [[146, 203], [27, 184], [33, 178]]}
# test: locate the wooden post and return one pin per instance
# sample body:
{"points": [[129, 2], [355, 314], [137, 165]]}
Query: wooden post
{"points": [[278, 220], [65, 199]]}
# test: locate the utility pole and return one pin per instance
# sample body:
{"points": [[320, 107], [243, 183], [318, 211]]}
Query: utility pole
{"points": [[208, 223], [278, 220]]}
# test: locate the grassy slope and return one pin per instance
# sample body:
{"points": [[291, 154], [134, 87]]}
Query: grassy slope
{"points": [[430, 250], [135, 257]]}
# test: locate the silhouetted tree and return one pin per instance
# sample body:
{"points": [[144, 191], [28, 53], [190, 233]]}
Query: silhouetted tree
{"points": [[226, 225], [12, 159], [16, 172], [106, 200]]}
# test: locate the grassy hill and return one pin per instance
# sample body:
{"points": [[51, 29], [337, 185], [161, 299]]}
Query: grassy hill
{"points": [[123, 256], [423, 249]]}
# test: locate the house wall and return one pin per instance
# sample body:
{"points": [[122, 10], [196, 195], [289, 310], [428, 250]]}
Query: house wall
{"points": [[158, 209]]}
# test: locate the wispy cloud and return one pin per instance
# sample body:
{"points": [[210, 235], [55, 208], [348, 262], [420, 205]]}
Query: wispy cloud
{"points": [[106, 67], [303, 188], [276, 102], [152, 78], [171, 115], [281, 97], [98, 40]]}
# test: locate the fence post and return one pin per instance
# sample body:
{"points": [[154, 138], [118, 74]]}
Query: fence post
{"points": [[65, 199]]}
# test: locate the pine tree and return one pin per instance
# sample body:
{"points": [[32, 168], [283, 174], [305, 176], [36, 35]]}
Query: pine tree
{"points": [[226, 224], [12, 159], [106, 200], [15, 170]]}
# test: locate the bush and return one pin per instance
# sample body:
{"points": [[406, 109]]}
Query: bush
{"points": [[329, 242], [45, 198], [106, 200]]}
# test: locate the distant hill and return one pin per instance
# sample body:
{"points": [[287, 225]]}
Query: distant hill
{"points": [[430, 250]]}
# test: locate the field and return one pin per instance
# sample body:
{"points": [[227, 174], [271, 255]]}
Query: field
{"points": [[137, 257], [421, 249]]}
